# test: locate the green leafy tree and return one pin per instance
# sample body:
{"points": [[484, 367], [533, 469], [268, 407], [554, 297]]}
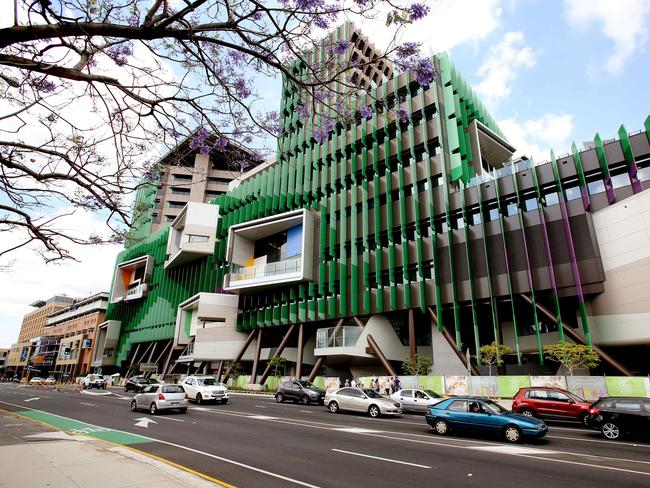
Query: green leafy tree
{"points": [[233, 369], [572, 356], [419, 365], [493, 354], [277, 363]]}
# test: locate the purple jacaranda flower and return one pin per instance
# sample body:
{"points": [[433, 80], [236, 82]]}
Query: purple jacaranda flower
{"points": [[302, 111], [310, 5], [402, 114], [418, 11], [321, 134], [257, 15], [221, 143], [94, 239], [407, 50], [199, 141], [424, 71], [242, 88], [119, 54], [341, 46], [237, 58], [362, 3], [44, 85], [366, 112], [133, 20]]}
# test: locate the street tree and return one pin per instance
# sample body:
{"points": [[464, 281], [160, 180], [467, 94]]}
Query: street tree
{"points": [[94, 91], [493, 354], [277, 363], [572, 356], [420, 365], [233, 369]]}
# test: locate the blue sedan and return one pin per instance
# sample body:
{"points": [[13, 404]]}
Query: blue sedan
{"points": [[482, 415]]}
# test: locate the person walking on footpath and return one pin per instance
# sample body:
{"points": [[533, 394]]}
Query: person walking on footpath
{"points": [[397, 384], [347, 382], [354, 383]]}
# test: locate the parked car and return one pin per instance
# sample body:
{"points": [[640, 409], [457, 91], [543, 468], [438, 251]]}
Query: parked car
{"points": [[299, 391], [551, 403], [617, 417], [361, 400], [416, 400], [138, 383], [160, 397], [204, 389], [93, 381], [482, 415], [50, 380], [36, 380]]}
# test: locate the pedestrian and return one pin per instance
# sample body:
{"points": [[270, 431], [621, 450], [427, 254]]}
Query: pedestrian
{"points": [[387, 387], [398, 384], [376, 384], [354, 383], [347, 382]]}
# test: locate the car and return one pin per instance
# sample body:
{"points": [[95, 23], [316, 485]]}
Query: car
{"points": [[299, 391], [551, 403], [93, 381], [36, 380], [482, 415], [204, 389], [416, 400], [618, 417], [160, 397], [138, 383], [361, 400], [50, 380]]}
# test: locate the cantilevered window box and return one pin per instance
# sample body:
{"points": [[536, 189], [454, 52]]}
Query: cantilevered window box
{"points": [[106, 341], [192, 234], [271, 251], [131, 281]]}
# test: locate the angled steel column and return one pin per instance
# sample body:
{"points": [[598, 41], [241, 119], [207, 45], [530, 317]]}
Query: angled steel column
{"points": [[358, 321], [169, 343], [219, 370], [299, 353], [137, 349], [315, 369], [256, 360], [577, 336], [249, 339], [278, 352], [337, 327], [452, 343], [169, 357], [380, 355], [413, 348]]}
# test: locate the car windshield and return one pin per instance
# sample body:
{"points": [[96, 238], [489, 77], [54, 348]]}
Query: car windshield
{"points": [[495, 407], [207, 381], [432, 393], [307, 384], [575, 398], [371, 393]]}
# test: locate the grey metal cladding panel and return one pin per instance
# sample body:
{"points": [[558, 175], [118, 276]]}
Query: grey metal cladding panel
{"points": [[460, 262], [519, 280], [614, 153], [479, 268], [525, 180], [443, 265], [415, 295], [516, 251], [471, 197], [427, 248], [495, 254], [591, 270], [599, 201], [624, 192], [640, 145], [589, 160], [500, 285], [536, 246], [488, 192], [566, 167], [454, 201], [423, 199], [463, 291], [506, 186], [545, 174], [430, 292], [541, 278], [481, 288], [557, 242], [439, 200], [583, 241]]}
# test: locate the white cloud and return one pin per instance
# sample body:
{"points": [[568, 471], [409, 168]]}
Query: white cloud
{"points": [[30, 278], [536, 137], [501, 67], [449, 24], [622, 21]]}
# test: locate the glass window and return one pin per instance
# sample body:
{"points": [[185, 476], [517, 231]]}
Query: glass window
{"points": [[646, 405], [643, 174], [596, 187], [572, 193], [197, 238], [628, 405], [458, 406], [530, 204], [550, 199], [345, 392], [173, 389], [539, 394], [621, 180], [407, 393], [556, 396]]}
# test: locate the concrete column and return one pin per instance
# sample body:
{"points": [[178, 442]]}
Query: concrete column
{"points": [[413, 348], [299, 353], [256, 360]]}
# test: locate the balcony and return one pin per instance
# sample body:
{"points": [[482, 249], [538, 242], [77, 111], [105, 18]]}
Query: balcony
{"points": [[106, 340], [136, 292], [271, 251], [343, 337], [131, 278], [192, 234]]}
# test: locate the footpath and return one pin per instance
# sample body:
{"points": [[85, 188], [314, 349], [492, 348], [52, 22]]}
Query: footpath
{"points": [[33, 455]]}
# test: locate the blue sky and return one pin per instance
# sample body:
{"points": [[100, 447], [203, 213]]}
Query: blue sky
{"points": [[551, 72]]}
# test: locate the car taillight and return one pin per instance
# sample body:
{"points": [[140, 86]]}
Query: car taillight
{"points": [[186, 397], [161, 396], [593, 411]]}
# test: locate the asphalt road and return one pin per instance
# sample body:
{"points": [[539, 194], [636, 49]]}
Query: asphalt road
{"points": [[253, 441]]}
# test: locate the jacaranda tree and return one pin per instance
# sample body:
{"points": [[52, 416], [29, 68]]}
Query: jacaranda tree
{"points": [[93, 90]]}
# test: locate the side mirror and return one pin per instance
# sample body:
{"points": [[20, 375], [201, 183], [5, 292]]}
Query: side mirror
{"points": [[572, 402]]}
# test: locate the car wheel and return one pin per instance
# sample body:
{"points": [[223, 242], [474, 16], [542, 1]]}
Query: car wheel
{"points": [[611, 431], [126, 389], [153, 409], [333, 407], [199, 399], [441, 427], [279, 397], [528, 412], [374, 411], [584, 419], [512, 434], [223, 402], [134, 406], [183, 410], [304, 400]]}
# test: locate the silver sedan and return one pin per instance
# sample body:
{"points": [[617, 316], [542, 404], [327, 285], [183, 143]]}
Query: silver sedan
{"points": [[416, 400], [361, 400], [160, 397]]}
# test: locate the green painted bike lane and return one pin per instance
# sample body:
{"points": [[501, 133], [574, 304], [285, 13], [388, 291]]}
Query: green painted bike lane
{"points": [[77, 427]]}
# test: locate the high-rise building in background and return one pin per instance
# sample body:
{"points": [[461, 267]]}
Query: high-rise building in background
{"points": [[407, 230]]}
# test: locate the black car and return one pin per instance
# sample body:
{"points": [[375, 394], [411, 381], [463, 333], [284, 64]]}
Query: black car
{"points": [[138, 383], [617, 417], [300, 391]]}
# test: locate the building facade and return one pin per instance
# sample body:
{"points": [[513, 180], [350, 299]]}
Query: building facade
{"points": [[410, 231]]}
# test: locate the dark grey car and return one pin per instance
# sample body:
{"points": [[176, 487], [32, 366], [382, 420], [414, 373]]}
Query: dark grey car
{"points": [[300, 391]]}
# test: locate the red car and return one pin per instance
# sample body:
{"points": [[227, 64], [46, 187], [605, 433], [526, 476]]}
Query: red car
{"points": [[551, 403]]}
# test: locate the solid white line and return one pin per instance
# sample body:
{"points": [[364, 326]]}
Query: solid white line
{"points": [[168, 418], [89, 404], [382, 459], [196, 451], [305, 411]]}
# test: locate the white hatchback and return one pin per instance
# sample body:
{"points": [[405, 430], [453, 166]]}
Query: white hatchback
{"points": [[160, 397]]}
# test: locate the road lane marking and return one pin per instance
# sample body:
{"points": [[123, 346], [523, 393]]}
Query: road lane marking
{"points": [[160, 417], [261, 417], [144, 422], [89, 404], [600, 441], [506, 449], [305, 411], [32, 399], [357, 430], [382, 459], [260, 406]]}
